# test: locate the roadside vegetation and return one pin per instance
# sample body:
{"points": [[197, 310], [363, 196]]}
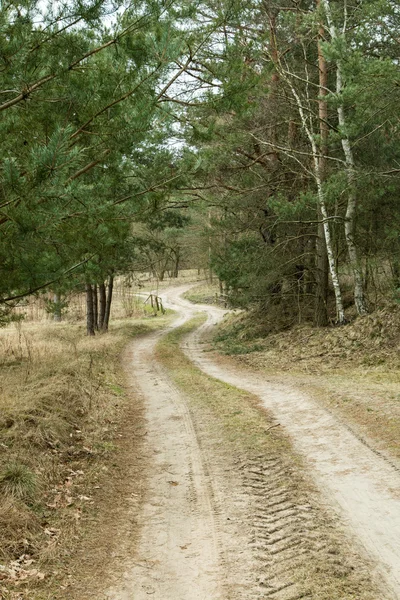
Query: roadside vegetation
{"points": [[255, 143], [205, 293], [64, 404]]}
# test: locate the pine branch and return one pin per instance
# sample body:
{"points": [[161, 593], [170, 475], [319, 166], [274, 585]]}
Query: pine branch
{"points": [[42, 287], [89, 166]]}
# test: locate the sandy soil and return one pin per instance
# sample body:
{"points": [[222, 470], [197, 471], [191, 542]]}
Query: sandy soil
{"points": [[207, 533], [177, 555], [194, 539], [363, 488]]}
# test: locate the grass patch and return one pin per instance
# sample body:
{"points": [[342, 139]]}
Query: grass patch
{"points": [[243, 431], [18, 481], [63, 399], [237, 335], [237, 410], [205, 293]]}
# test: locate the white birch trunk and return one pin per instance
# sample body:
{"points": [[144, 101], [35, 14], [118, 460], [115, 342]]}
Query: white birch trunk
{"points": [[359, 296], [340, 316], [328, 240]]}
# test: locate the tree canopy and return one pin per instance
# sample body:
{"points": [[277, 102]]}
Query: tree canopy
{"points": [[273, 123]]}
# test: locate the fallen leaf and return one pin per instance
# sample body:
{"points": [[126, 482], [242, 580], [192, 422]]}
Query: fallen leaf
{"points": [[52, 532]]}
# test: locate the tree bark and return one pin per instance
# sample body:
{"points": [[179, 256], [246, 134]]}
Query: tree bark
{"points": [[340, 316], [89, 310], [102, 304], [176, 265], [322, 276], [95, 307], [322, 265], [209, 225], [107, 311], [57, 308], [274, 82], [349, 223], [308, 129]]}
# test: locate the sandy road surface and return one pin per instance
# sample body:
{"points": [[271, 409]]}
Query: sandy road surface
{"points": [[177, 556], [361, 486], [215, 529]]}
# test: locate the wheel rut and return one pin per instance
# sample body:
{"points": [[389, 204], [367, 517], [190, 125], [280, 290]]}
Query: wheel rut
{"points": [[177, 556], [285, 530]]}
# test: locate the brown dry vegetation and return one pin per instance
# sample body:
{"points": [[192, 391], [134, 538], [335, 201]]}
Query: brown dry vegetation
{"points": [[205, 293], [126, 298], [63, 409], [354, 370]]}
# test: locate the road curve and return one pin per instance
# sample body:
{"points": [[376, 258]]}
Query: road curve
{"points": [[363, 488]]}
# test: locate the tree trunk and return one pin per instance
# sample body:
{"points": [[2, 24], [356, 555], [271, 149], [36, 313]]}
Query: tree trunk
{"points": [[95, 308], [176, 265], [108, 303], [322, 265], [395, 265], [210, 273], [307, 127], [89, 310], [322, 277], [57, 307], [340, 316], [349, 223], [273, 94], [349, 226], [102, 304]]}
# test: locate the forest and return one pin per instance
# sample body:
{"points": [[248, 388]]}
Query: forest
{"points": [[256, 140]]}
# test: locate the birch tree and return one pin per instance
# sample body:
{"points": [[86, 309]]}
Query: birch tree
{"points": [[349, 221], [321, 312], [306, 119]]}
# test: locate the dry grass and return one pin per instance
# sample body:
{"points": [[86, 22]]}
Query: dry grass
{"points": [[62, 400], [371, 343], [205, 293], [329, 569]]}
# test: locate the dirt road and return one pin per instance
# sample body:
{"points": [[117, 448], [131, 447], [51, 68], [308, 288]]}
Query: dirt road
{"points": [[178, 557], [190, 549]]}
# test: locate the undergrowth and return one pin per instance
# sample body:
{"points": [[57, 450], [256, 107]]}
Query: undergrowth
{"points": [[368, 342], [354, 370]]}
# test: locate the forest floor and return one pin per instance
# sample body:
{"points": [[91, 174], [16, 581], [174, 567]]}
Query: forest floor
{"points": [[225, 478]]}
